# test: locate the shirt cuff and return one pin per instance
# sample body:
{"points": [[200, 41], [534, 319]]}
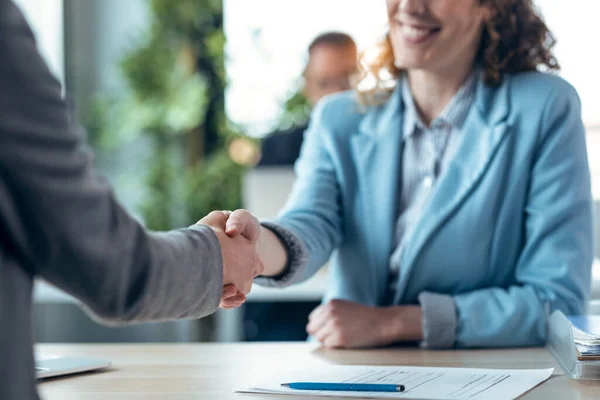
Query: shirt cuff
{"points": [[297, 258], [439, 320]]}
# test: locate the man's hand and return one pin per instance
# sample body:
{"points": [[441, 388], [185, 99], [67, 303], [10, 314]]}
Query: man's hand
{"points": [[231, 297], [240, 222], [241, 263], [343, 324]]}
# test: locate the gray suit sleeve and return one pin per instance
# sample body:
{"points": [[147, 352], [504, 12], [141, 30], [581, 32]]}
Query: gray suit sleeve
{"points": [[63, 222]]}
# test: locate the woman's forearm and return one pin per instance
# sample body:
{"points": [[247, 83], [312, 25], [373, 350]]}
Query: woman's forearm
{"points": [[272, 252]]}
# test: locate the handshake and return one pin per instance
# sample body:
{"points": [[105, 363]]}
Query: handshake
{"points": [[238, 233]]}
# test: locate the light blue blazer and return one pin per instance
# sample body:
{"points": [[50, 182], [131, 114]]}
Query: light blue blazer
{"points": [[506, 232]]}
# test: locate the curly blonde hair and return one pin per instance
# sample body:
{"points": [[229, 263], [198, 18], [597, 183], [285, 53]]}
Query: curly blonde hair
{"points": [[515, 39]]}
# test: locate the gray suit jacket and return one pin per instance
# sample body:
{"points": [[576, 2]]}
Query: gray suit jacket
{"points": [[60, 222]]}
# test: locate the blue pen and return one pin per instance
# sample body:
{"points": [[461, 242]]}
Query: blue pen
{"points": [[347, 387]]}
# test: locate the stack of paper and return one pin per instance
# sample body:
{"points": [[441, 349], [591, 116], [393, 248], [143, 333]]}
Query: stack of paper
{"points": [[586, 334], [420, 382]]}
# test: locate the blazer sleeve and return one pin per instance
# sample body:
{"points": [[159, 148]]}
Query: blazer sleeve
{"points": [[310, 224], [554, 268], [62, 223]]}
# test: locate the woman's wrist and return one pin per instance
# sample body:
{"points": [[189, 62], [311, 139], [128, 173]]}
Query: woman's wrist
{"points": [[401, 324], [272, 252]]}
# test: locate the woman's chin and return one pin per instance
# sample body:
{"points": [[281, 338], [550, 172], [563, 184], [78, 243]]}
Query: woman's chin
{"points": [[412, 63]]}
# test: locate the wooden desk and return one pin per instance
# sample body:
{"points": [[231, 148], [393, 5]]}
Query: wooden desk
{"points": [[213, 371]]}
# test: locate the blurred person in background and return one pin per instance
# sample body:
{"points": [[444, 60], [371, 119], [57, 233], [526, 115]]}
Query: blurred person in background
{"points": [[456, 205], [61, 223], [332, 60]]}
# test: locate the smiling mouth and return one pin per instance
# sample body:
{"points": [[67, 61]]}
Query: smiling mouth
{"points": [[416, 34]]}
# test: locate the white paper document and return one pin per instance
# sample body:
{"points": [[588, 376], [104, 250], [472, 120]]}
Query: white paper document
{"points": [[420, 382]]}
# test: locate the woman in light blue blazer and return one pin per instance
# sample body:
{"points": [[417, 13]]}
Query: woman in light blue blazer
{"points": [[456, 209]]}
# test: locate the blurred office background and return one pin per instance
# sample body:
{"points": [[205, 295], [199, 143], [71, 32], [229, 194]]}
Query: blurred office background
{"points": [[176, 96]]}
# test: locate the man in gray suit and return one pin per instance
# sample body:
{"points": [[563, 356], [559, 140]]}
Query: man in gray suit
{"points": [[60, 222]]}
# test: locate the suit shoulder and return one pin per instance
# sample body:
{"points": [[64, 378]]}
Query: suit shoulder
{"points": [[542, 84], [340, 112]]}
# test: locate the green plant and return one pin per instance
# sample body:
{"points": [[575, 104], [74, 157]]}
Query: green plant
{"points": [[175, 102], [296, 111]]}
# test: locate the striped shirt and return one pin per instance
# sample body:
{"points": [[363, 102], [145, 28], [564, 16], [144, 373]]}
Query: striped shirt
{"points": [[427, 152]]}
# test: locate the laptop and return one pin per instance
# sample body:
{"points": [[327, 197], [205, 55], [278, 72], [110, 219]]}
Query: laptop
{"points": [[52, 366]]}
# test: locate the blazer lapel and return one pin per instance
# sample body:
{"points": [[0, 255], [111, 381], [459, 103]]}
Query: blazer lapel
{"points": [[377, 150], [483, 131]]}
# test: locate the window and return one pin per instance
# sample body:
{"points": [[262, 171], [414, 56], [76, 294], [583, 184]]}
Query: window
{"points": [[267, 41], [573, 25], [46, 20]]}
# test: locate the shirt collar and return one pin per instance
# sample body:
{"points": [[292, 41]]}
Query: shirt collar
{"points": [[454, 114]]}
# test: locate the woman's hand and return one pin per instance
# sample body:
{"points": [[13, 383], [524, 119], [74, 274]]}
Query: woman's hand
{"points": [[270, 249], [344, 324]]}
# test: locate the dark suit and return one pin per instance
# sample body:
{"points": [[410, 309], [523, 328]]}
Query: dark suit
{"points": [[60, 222], [282, 147]]}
